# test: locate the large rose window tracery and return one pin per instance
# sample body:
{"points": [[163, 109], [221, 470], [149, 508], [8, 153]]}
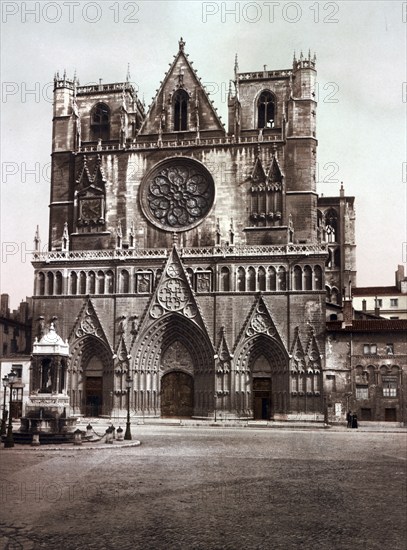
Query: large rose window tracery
{"points": [[178, 194]]}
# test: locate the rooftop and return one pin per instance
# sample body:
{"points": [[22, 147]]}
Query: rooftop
{"points": [[366, 325]]}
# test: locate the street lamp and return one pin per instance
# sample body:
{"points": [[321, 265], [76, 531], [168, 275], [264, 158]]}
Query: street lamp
{"points": [[9, 441], [127, 434], [4, 416]]}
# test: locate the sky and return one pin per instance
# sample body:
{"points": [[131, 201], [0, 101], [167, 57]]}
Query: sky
{"points": [[361, 115]]}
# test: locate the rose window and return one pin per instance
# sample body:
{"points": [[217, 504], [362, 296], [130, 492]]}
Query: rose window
{"points": [[177, 194]]}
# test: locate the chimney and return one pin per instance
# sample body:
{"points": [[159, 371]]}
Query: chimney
{"points": [[376, 307], [364, 305], [347, 310]]}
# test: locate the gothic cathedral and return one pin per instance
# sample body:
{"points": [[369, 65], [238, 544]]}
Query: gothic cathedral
{"points": [[186, 262]]}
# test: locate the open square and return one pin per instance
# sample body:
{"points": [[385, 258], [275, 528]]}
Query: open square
{"points": [[204, 488]]}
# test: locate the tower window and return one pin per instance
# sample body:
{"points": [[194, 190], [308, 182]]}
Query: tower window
{"points": [[265, 110], [100, 122], [180, 110]]}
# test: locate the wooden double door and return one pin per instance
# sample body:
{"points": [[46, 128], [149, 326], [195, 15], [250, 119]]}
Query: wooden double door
{"points": [[177, 394]]}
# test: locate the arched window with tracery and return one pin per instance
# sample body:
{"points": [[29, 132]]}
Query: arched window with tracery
{"points": [[58, 283], [100, 122], [307, 278], [101, 283], [241, 280], [281, 279], [225, 279], [297, 278], [261, 277], [50, 283], [251, 279], [109, 282], [73, 283], [181, 99], [318, 278], [272, 278], [124, 281], [41, 284], [91, 282], [82, 282], [265, 110]]}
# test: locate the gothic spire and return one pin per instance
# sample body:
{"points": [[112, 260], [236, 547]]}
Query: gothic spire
{"points": [[37, 240]]}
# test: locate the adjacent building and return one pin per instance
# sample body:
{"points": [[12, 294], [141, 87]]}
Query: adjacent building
{"points": [[15, 351], [386, 301], [366, 366]]}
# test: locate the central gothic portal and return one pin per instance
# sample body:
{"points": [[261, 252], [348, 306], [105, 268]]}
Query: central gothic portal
{"points": [[177, 394]]}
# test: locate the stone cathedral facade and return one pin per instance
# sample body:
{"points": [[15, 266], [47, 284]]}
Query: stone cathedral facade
{"points": [[187, 257]]}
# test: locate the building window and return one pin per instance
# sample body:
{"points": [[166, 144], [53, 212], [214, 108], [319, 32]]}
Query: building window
{"points": [[394, 302], [100, 122], [390, 349], [18, 369], [330, 232], [369, 349], [265, 110], [180, 110], [390, 390], [362, 392], [378, 302]]}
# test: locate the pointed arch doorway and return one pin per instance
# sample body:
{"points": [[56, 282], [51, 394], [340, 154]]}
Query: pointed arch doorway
{"points": [[261, 380], [94, 387], [177, 382], [177, 395]]}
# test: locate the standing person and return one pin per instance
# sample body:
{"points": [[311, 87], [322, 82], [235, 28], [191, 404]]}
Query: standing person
{"points": [[349, 419], [355, 421]]}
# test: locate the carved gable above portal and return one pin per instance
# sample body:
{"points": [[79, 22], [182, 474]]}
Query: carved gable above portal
{"points": [[88, 324], [259, 322], [173, 295]]}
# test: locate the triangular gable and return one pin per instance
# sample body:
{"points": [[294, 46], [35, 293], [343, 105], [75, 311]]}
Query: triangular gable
{"points": [[313, 352], [202, 115], [259, 321], [96, 180], [297, 352], [223, 351], [275, 174], [258, 174], [84, 179], [173, 295], [88, 324], [122, 355]]}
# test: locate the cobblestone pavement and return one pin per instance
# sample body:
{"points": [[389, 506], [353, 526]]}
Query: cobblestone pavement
{"points": [[205, 489]]}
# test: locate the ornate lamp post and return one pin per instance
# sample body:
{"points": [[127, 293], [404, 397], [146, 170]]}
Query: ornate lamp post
{"points": [[4, 416], [127, 434], [9, 441]]}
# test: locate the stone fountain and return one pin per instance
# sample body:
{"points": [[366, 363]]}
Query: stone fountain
{"points": [[48, 412]]}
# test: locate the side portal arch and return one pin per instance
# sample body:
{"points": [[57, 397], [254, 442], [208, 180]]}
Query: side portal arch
{"points": [[262, 378]]}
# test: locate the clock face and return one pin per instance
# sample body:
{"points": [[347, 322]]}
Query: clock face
{"points": [[91, 209]]}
